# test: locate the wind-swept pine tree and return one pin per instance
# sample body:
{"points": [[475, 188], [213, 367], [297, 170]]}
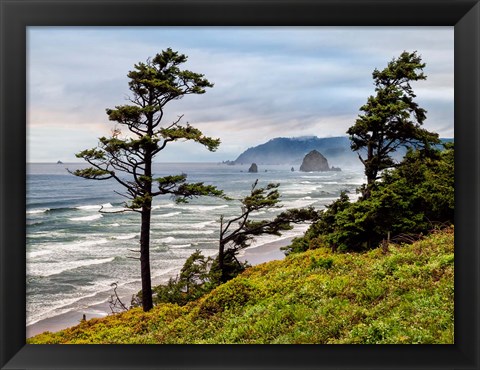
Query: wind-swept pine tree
{"points": [[391, 118], [238, 232], [128, 159]]}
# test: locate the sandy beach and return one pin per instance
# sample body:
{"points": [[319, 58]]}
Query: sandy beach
{"points": [[254, 255]]}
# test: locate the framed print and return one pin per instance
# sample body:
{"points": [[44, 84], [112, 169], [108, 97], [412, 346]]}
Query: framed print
{"points": [[274, 118]]}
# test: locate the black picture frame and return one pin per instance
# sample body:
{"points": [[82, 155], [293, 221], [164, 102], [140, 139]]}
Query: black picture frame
{"points": [[17, 15]]}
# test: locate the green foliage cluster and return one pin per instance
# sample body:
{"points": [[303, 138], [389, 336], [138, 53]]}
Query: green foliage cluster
{"points": [[413, 198], [194, 280], [403, 295], [391, 119]]}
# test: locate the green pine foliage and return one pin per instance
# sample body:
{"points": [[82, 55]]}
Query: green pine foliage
{"points": [[391, 118], [402, 295]]}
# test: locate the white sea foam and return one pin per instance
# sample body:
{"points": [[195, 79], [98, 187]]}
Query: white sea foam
{"points": [[296, 192], [180, 245], [170, 214], [182, 232], [86, 244], [94, 206], [203, 208], [125, 236], [170, 239], [114, 225], [86, 218], [37, 211], [299, 203], [45, 234], [38, 253], [201, 225], [50, 269]]}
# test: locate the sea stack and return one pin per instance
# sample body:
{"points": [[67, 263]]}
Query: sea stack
{"points": [[314, 162], [253, 168]]}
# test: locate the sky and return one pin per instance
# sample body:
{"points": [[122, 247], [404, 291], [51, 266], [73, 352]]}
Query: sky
{"points": [[268, 82]]}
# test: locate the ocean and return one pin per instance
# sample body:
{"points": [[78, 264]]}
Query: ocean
{"points": [[75, 253]]}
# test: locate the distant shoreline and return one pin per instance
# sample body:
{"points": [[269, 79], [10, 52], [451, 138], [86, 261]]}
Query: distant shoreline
{"points": [[254, 255]]}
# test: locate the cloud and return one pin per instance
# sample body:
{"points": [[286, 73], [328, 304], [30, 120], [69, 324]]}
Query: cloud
{"points": [[269, 81]]}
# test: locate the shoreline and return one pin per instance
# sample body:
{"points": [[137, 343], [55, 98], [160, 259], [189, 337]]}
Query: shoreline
{"points": [[255, 255]]}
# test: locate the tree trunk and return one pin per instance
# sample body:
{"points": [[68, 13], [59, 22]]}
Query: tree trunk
{"points": [[147, 302], [221, 257], [370, 171]]}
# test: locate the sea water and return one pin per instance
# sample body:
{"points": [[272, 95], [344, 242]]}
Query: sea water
{"points": [[74, 252]]}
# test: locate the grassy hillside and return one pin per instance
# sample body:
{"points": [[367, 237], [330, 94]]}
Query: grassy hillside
{"points": [[403, 296]]}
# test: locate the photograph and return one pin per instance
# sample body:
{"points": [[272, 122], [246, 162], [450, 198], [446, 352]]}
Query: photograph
{"points": [[240, 185]]}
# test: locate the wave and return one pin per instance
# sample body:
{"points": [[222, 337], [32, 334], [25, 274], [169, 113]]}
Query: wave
{"points": [[90, 243], [168, 214], [174, 246], [166, 240], [168, 205], [201, 225], [38, 253], [66, 266], [38, 223], [86, 218], [76, 245], [183, 232], [125, 236], [203, 208], [114, 225], [297, 192], [95, 206], [45, 234], [37, 211], [299, 203]]}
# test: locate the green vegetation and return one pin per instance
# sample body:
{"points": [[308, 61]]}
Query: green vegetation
{"points": [[400, 295]]}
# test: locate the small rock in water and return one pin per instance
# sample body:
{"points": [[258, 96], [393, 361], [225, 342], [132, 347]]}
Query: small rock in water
{"points": [[253, 168]]}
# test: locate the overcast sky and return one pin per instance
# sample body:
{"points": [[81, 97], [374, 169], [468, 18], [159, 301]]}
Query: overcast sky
{"points": [[269, 82]]}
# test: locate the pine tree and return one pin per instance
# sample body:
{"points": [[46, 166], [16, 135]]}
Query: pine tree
{"points": [[391, 118], [128, 159]]}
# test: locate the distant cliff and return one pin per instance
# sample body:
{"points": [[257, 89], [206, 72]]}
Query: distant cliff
{"points": [[291, 151]]}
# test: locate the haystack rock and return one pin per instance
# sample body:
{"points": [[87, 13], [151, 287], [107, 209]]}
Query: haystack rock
{"points": [[253, 168], [314, 161]]}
